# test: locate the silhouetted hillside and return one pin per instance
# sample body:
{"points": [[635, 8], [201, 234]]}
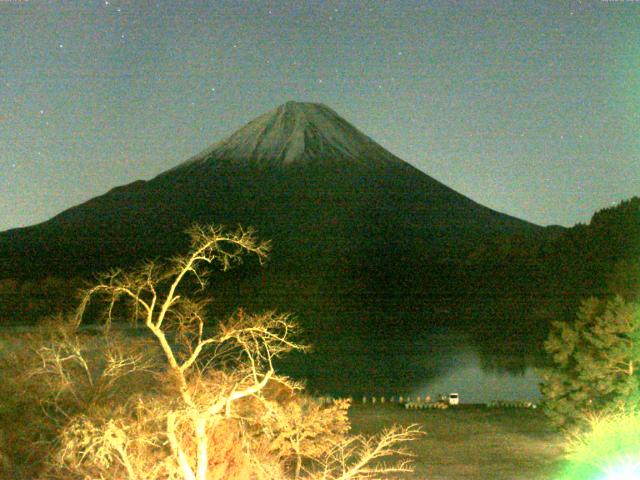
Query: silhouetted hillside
{"points": [[343, 213], [544, 278]]}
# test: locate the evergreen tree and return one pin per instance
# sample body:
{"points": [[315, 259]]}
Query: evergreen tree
{"points": [[595, 361]]}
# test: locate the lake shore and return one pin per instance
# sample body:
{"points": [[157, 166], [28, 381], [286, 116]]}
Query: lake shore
{"points": [[471, 442]]}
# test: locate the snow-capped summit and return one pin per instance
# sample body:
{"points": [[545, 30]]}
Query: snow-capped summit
{"points": [[304, 177], [296, 132]]}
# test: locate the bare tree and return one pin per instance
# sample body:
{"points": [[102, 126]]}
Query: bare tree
{"points": [[214, 407]]}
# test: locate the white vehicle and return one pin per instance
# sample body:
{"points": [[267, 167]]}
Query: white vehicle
{"points": [[454, 399]]}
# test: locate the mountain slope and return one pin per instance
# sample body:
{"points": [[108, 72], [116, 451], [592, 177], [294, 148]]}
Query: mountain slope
{"points": [[329, 197]]}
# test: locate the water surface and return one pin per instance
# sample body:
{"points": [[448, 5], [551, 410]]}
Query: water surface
{"points": [[430, 363]]}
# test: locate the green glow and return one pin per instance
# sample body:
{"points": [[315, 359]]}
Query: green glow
{"points": [[627, 470], [610, 450]]}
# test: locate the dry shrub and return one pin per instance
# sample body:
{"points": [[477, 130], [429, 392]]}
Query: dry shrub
{"points": [[61, 385], [229, 459], [179, 404]]}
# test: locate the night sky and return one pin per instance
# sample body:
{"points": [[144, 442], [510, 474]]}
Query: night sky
{"points": [[530, 108]]}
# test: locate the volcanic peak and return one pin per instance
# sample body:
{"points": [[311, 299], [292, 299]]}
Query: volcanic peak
{"points": [[295, 132]]}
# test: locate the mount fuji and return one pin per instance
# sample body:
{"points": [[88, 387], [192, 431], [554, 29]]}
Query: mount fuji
{"points": [[333, 201]]}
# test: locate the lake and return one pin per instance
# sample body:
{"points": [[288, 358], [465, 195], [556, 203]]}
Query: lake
{"points": [[436, 361], [431, 363]]}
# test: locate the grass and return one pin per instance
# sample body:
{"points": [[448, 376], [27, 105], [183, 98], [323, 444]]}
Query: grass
{"points": [[472, 442]]}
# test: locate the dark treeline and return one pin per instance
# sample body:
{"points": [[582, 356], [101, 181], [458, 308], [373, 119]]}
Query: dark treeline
{"points": [[504, 290], [536, 280], [24, 302], [598, 259]]}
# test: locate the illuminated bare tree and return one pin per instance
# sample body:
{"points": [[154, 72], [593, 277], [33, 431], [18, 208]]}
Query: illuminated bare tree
{"points": [[214, 406]]}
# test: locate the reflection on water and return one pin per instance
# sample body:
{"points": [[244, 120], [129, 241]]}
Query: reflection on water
{"points": [[427, 364], [476, 384], [442, 360]]}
